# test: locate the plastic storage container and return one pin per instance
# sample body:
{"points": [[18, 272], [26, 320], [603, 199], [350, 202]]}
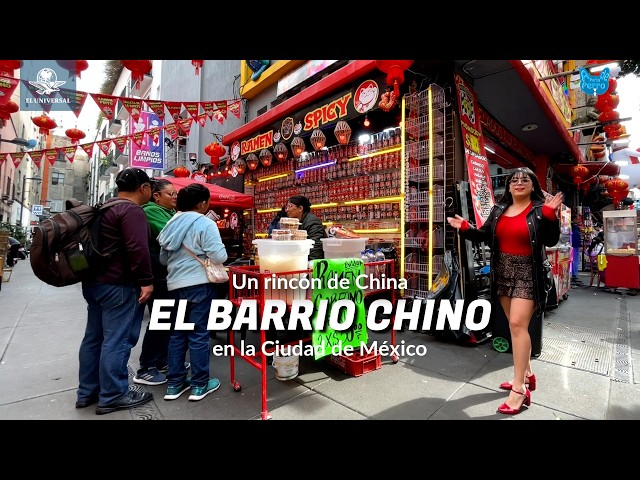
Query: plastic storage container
{"points": [[290, 256], [287, 223], [343, 247]]}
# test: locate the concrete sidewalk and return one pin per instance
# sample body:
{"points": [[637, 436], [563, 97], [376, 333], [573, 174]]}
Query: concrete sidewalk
{"points": [[589, 369]]}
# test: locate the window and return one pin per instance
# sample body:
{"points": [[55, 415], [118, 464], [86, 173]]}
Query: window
{"points": [[55, 206], [57, 178]]}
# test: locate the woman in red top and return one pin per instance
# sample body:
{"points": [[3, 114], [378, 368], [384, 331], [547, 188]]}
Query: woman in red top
{"points": [[518, 229]]}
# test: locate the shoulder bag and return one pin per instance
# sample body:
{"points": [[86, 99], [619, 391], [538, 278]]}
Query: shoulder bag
{"points": [[216, 272]]}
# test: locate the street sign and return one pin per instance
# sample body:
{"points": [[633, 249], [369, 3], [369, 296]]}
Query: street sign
{"points": [[36, 210]]}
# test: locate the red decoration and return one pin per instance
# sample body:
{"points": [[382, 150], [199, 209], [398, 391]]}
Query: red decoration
{"points": [[8, 66], [241, 166], [198, 64], [75, 135], [608, 116], [77, 66], [181, 171], [138, 69], [613, 84], [252, 161], [7, 110], [579, 172], [215, 151], [618, 189], [395, 72], [45, 123]]}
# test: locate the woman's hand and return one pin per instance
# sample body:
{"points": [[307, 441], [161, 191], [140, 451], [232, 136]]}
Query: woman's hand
{"points": [[554, 202], [456, 222]]}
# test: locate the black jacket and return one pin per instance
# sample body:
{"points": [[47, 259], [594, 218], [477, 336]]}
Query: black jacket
{"points": [[315, 231], [542, 233]]}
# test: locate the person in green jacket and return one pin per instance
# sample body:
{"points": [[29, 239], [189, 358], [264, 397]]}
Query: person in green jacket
{"points": [[153, 358], [300, 207]]}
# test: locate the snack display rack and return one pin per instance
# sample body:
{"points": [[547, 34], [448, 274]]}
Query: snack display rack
{"points": [[255, 287]]}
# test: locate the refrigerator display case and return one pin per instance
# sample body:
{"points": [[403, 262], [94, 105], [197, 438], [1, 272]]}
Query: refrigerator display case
{"points": [[620, 232], [621, 248]]}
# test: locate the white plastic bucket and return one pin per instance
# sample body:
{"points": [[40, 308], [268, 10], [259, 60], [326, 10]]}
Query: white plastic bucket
{"points": [[343, 247], [286, 366]]}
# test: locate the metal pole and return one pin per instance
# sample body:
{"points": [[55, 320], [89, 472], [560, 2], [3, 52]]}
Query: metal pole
{"points": [[24, 181]]}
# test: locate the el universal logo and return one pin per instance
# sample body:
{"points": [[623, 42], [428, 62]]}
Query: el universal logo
{"points": [[54, 87]]}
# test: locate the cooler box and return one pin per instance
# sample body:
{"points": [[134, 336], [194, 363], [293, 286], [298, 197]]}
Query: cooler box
{"points": [[343, 247], [276, 256]]}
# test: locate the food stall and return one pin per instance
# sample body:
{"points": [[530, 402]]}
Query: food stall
{"points": [[621, 249]]}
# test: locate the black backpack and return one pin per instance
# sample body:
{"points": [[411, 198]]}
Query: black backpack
{"points": [[65, 249]]}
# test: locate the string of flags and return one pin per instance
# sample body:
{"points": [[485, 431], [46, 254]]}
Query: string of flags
{"points": [[198, 112]]}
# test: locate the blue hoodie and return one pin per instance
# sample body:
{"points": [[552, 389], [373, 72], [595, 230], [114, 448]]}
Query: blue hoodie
{"points": [[200, 235]]}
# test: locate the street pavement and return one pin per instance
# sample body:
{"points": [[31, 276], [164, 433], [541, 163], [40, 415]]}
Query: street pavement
{"points": [[589, 369]]}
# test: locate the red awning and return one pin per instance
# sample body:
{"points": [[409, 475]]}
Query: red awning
{"points": [[220, 196]]}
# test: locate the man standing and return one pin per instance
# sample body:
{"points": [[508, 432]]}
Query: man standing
{"points": [[116, 297]]}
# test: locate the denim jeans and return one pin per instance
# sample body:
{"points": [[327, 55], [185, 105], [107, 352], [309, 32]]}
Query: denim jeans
{"points": [[155, 343], [196, 341], [113, 327]]}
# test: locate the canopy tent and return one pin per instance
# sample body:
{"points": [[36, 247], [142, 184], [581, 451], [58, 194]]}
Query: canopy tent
{"points": [[220, 196]]}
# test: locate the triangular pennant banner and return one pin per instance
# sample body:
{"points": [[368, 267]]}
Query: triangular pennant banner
{"points": [[174, 109], [154, 136], [172, 130], [17, 158], [52, 155], [133, 106], [193, 108], [33, 92], [3, 157], [104, 145], [70, 152], [88, 148], [120, 142], [185, 125], [208, 108], [202, 119], [157, 107], [75, 99], [234, 107], [36, 157], [106, 103], [220, 113], [138, 138], [7, 87]]}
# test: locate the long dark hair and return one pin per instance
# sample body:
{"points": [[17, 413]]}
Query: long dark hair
{"points": [[192, 195], [520, 172]]}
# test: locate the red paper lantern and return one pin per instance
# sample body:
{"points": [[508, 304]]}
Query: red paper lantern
{"points": [[579, 172], [607, 102], [613, 84], [608, 116], [78, 66], [198, 64], [181, 172], [7, 110], [395, 72], [8, 66], [45, 123], [618, 189], [138, 69], [75, 135], [215, 151]]}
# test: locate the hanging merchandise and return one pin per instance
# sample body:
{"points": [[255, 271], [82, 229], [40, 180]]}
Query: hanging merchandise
{"points": [[388, 100]]}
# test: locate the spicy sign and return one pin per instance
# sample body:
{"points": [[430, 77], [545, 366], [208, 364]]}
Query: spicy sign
{"points": [[327, 113]]}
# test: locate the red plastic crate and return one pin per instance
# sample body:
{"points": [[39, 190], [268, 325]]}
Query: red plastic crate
{"points": [[356, 364]]}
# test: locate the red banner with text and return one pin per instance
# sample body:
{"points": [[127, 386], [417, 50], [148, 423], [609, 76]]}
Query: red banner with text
{"points": [[477, 162]]}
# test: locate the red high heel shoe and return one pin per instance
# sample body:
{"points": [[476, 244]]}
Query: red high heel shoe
{"points": [[530, 382], [507, 410]]}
